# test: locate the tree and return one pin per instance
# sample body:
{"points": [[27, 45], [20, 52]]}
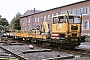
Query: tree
{"points": [[18, 15], [15, 23], [1, 27], [3, 23]]}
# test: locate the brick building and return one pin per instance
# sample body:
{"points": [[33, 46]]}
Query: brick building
{"points": [[34, 17]]}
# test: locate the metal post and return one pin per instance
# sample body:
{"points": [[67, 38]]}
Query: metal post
{"points": [[68, 21]]}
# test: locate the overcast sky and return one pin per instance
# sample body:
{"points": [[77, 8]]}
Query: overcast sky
{"points": [[8, 8]]}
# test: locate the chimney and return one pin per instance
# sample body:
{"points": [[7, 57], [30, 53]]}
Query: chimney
{"points": [[34, 10]]}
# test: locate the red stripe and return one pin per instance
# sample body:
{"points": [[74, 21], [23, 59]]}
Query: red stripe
{"points": [[55, 35]]}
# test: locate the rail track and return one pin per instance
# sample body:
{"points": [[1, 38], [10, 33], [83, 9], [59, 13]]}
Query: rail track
{"points": [[17, 49], [81, 52], [4, 55], [76, 52]]}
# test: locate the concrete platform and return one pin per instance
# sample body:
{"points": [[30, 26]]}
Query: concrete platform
{"points": [[84, 46]]}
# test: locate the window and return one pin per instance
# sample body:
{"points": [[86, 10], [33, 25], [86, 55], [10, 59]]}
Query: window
{"points": [[21, 21], [38, 19], [74, 19], [75, 11], [48, 25], [48, 17], [44, 18], [78, 11], [63, 12], [35, 20], [70, 12], [55, 20], [85, 10], [28, 27], [52, 15], [61, 19], [28, 20], [89, 24], [85, 24], [81, 10], [77, 20], [41, 18], [88, 10], [56, 14]]}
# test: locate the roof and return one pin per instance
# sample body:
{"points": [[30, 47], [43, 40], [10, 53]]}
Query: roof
{"points": [[55, 8], [30, 12]]}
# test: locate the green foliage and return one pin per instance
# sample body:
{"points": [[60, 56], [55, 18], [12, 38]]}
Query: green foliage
{"points": [[3, 23], [1, 27], [15, 23]]}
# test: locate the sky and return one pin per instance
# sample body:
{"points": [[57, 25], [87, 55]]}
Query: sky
{"points": [[9, 8]]}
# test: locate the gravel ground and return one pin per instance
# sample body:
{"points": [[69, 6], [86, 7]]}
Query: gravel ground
{"points": [[1, 51], [19, 49], [5, 54]]}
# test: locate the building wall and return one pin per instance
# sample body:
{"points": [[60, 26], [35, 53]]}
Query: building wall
{"points": [[46, 16], [33, 20], [23, 23], [78, 9]]}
